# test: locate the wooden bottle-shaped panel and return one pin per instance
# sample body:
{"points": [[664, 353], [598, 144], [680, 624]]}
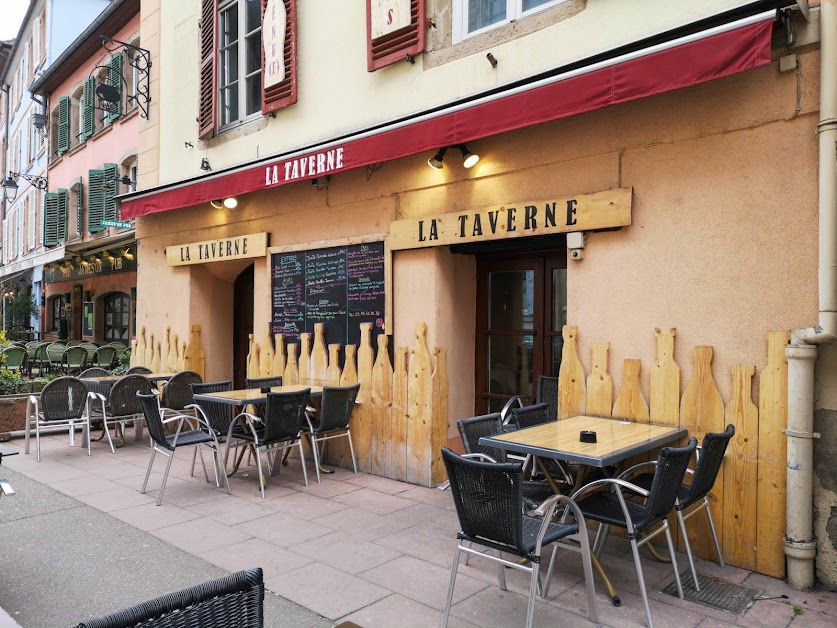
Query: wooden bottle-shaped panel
{"points": [[266, 355], [630, 403], [349, 375], [319, 359], [253, 370], [149, 351], [304, 358], [155, 359], [291, 374], [599, 383], [741, 472], [171, 358], [279, 356], [333, 371], [365, 360], [193, 355], [399, 415], [164, 349], [439, 435], [665, 381], [419, 407], [133, 361], [181, 357], [571, 385], [138, 356], [381, 401]]}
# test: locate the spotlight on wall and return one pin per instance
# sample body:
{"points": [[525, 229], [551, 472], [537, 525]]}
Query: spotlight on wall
{"points": [[205, 164], [435, 161], [231, 202], [469, 159]]}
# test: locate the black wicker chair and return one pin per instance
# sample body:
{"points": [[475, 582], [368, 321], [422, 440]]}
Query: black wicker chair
{"points": [[710, 455], [613, 508], [139, 370], [278, 430], [263, 382], [547, 393], [121, 405], [530, 416], [336, 409], [94, 371], [234, 601], [62, 402], [489, 503], [177, 393], [166, 444], [219, 416]]}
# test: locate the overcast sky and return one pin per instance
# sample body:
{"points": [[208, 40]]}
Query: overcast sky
{"points": [[11, 15]]}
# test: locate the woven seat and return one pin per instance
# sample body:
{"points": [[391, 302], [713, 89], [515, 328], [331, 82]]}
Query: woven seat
{"points": [[613, 507], [234, 601], [217, 415], [489, 504], [15, 359], [278, 430], [63, 402], [121, 404], [336, 409], [710, 455], [177, 394], [73, 360], [167, 444]]}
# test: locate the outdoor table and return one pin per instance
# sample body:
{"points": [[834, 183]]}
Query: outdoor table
{"points": [[616, 440], [253, 396]]}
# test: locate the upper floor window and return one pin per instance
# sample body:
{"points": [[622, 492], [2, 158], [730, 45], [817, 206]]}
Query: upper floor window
{"points": [[472, 17], [240, 60]]}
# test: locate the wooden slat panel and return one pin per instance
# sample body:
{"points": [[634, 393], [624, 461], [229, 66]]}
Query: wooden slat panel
{"points": [[266, 355], [171, 359], [381, 453], [349, 375], [630, 403], [665, 381], [439, 382], [333, 368], [279, 356], [363, 417], [319, 359], [419, 421], [399, 415], [193, 356], [253, 359], [304, 358], [741, 473], [772, 460], [599, 382], [571, 387], [347, 378], [702, 411], [291, 374], [156, 359]]}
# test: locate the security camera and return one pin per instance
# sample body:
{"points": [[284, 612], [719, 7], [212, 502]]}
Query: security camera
{"points": [[577, 254]]}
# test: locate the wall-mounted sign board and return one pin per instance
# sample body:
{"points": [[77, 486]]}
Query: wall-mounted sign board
{"points": [[340, 286], [220, 250], [584, 212], [87, 319]]}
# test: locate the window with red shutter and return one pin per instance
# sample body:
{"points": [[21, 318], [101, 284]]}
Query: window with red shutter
{"points": [[278, 54], [395, 30], [207, 96]]}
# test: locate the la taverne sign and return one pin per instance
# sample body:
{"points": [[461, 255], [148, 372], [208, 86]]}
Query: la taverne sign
{"points": [[584, 212], [238, 247]]}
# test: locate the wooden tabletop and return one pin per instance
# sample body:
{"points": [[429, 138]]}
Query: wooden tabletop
{"points": [[154, 377], [616, 440], [254, 395]]}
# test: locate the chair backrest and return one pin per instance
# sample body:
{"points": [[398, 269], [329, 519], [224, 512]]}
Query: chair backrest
{"points": [[337, 407], [139, 370], [104, 356], [15, 357], [548, 394], [150, 408], [74, 357], [63, 398], [94, 371], [239, 596], [177, 393], [488, 499], [529, 416], [672, 463], [708, 464], [218, 415], [41, 352], [471, 430], [73, 343], [263, 382], [119, 346], [54, 352], [123, 399], [284, 415], [91, 350]]}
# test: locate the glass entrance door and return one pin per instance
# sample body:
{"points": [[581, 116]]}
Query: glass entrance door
{"points": [[521, 308]]}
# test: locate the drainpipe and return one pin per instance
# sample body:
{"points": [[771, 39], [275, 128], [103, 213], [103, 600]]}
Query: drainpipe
{"points": [[6, 88], [800, 544]]}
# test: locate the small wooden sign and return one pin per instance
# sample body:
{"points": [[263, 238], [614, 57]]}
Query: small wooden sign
{"points": [[238, 247], [388, 16], [584, 212]]}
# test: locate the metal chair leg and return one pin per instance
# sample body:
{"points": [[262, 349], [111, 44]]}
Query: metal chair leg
{"points": [[148, 471], [312, 440], [714, 534], [674, 563], [638, 564], [682, 524], [449, 600], [165, 479], [302, 460], [261, 473], [352, 450], [533, 591]]}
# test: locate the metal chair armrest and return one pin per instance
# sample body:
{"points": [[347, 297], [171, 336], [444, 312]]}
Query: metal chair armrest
{"points": [[505, 411], [615, 482], [630, 471], [478, 456]]}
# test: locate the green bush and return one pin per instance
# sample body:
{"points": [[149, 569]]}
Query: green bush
{"points": [[11, 383], [124, 363]]}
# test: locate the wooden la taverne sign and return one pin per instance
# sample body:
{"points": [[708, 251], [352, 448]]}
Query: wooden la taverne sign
{"points": [[238, 247], [584, 212]]}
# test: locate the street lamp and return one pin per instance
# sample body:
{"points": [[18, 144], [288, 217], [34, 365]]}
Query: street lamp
{"points": [[10, 185]]}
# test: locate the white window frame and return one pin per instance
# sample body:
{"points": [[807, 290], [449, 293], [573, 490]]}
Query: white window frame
{"points": [[36, 44], [243, 117], [33, 218], [514, 12]]}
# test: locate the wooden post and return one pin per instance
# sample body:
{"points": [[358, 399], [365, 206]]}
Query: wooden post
{"points": [[381, 454], [741, 472], [665, 381], [419, 404], [599, 383], [571, 388]]}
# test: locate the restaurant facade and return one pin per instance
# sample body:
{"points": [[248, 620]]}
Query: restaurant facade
{"points": [[643, 222]]}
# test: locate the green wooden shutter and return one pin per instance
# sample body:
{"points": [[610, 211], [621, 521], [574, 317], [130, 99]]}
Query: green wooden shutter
{"points": [[115, 81], [95, 200], [63, 124], [61, 218], [51, 203], [111, 190], [88, 102], [80, 208]]}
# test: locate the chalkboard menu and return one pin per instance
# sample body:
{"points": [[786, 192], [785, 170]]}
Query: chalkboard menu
{"points": [[340, 287]]}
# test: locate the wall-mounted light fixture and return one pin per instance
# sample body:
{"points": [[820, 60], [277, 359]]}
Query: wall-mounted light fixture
{"points": [[109, 95], [469, 159], [127, 253], [110, 185], [205, 164], [230, 203], [10, 185]]}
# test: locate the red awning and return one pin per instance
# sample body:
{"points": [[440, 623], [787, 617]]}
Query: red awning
{"points": [[683, 65]]}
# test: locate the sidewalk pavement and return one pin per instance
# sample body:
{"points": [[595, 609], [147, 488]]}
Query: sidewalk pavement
{"points": [[79, 540]]}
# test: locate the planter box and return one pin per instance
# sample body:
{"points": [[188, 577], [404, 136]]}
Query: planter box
{"points": [[12, 412]]}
